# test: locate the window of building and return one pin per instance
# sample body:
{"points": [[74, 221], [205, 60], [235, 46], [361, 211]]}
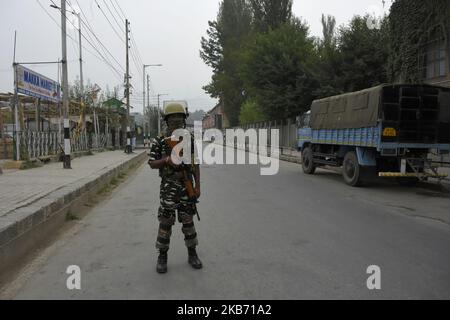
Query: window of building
{"points": [[435, 58]]}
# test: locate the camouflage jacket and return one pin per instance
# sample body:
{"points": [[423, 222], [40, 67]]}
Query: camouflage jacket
{"points": [[160, 149]]}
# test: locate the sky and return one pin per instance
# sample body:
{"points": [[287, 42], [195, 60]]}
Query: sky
{"points": [[166, 32]]}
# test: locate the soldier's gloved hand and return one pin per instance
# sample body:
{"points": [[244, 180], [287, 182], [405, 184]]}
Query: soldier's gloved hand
{"points": [[169, 162], [197, 191]]}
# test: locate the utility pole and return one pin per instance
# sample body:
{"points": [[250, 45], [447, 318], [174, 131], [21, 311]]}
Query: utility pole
{"points": [[83, 110], [127, 85], [143, 86], [148, 107], [159, 118], [65, 84], [159, 113], [143, 83], [16, 103]]}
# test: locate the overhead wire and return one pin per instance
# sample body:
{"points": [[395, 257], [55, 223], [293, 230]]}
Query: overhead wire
{"points": [[71, 38], [89, 42], [104, 49], [107, 19]]}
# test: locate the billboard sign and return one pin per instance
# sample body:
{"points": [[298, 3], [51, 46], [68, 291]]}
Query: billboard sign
{"points": [[36, 85]]}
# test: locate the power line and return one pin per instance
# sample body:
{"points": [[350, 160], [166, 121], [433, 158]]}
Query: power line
{"points": [[102, 46], [136, 48], [135, 54], [107, 19], [115, 9], [89, 42], [114, 17], [132, 53], [118, 5], [56, 22]]}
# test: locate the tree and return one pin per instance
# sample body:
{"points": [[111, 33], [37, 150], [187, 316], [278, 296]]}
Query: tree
{"points": [[250, 113], [271, 14], [221, 51], [364, 54], [328, 70], [277, 70]]}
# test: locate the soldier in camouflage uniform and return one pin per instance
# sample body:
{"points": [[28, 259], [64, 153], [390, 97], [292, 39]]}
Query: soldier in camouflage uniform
{"points": [[173, 196]]}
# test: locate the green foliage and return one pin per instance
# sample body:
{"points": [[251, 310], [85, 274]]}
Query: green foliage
{"points": [[250, 113], [71, 216], [328, 68], [265, 63], [277, 70], [151, 113], [364, 53], [220, 51], [412, 24], [271, 14]]}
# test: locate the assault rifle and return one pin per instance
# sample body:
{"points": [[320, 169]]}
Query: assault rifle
{"points": [[188, 178]]}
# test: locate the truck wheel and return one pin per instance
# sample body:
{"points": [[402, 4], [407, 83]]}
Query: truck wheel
{"points": [[307, 161], [351, 170]]}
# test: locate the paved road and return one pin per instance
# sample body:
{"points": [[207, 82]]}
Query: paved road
{"points": [[288, 236]]}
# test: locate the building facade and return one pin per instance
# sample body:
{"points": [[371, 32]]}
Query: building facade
{"points": [[216, 118]]}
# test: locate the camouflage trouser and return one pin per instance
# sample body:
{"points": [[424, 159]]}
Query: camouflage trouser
{"points": [[173, 197]]}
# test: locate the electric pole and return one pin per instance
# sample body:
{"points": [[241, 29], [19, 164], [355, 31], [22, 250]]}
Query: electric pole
{"points": [[159, 118], [143, 86], [159, 113], [65, 84], [83, 110], [148, 105], [127, 85], [143, 83]]}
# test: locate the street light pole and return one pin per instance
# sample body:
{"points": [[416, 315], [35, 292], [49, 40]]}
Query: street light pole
{"points": [[128, 147], [148, 106], [64, 65], [159, 113], [83, 111], [143, 81], [65, 84]]}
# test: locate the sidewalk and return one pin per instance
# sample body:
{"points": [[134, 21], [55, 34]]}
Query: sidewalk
{"points": [[36, 201]]}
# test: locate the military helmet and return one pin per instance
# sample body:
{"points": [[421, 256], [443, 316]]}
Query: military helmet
{"points": [[174, 108]]}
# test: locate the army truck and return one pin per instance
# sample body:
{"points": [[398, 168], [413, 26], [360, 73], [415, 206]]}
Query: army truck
{"points": [[385, 131]]}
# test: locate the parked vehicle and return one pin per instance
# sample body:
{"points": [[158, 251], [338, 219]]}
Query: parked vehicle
{"points": [[385, 131]]}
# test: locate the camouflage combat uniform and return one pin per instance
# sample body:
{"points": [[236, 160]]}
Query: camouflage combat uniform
{"points": [[173, 197]]}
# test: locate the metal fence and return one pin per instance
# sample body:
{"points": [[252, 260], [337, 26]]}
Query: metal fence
{"points": [[34, 145], [288, 130], [38, 144]]}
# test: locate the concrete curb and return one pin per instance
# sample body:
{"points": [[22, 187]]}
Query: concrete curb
{"points": [[22, 229]]}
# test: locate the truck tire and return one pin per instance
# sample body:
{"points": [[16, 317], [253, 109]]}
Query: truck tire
{"points": [[351, 170], [307, 161]]}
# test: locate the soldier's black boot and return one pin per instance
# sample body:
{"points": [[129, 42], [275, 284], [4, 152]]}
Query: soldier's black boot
{"points": [[193, 259], [161, 266]]}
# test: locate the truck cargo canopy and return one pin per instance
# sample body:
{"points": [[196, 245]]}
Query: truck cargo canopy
{"points": [[351, 110], [385, 102]]}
